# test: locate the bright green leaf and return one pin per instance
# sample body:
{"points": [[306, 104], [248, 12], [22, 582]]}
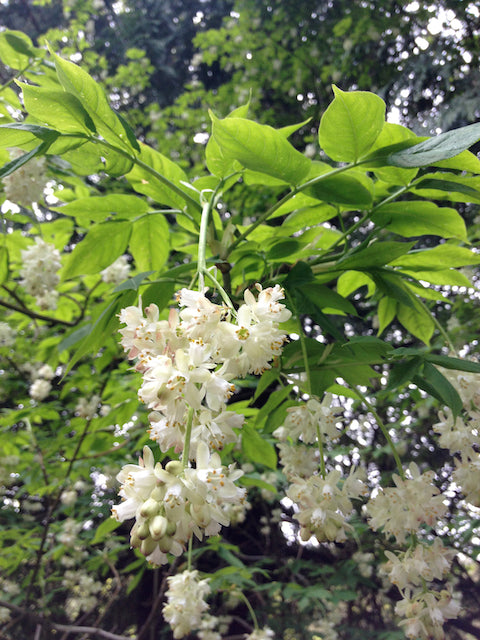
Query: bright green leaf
{"points": [[415, 218], [150, 242], [351, 124]]}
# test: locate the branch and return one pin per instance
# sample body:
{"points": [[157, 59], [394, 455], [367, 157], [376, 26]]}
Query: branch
{"points": [[71, 628], [34, 315]]}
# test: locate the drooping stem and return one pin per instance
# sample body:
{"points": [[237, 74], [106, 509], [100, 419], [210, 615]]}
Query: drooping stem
{"points": [[384, 430], [243, 597]]}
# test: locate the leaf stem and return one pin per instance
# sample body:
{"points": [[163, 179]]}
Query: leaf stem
{"points": [[384, 430], [173, 187], [285, 199], [243, 597]]}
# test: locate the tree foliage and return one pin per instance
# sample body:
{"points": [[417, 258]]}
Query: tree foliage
{"points": [[366, 240]]}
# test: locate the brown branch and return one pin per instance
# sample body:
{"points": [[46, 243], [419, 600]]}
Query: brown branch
{"points": [[37, 316], [70, 628]]}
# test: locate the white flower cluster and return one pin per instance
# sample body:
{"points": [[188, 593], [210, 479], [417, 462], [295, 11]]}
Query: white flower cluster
{"points": [[41, 385], [189, 360], [185, 604], [84, 592], [461, 435], [425, 612], [325, 503], [401, 510], [41, 261], [27, 183], [305, 421], [7, 335], [86, 408], [171, 503], [117, 271]]}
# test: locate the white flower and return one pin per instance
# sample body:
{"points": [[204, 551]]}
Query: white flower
{"points": [[7, 335], [40, 389], [185, 604], [46, 372], [86, 408], [423, 563], [298, 460], [324, 504], [39, 277], [401, 510], [260, 634], [425, 612], [27, 183], [117, 271]]}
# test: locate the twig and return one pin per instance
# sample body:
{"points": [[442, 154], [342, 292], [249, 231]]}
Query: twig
{"points": [[70, 628]]}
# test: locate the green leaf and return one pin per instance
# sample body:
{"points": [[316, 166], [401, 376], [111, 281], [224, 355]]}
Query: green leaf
{"points": [[98, 208], [133, 283], [91, 95], [387, 310], [351, 124], [16, 135], [457, 364], [435, 383], [374, 255], [4, 266], [259, 148], [444, 146], [417, 321], [59, 109], [257, 449], [15, 164], [102, 328], [342, 189], [150, 242], [144, 182], [447, 186], [441, 257], [325, 298], [101, 246], [415, 218], [393, 134], [403, 372], [104, 529], [16, 49], [75, 337], [350, 281]]}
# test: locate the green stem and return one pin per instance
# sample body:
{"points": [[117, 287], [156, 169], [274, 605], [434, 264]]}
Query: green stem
{"points": [[13, 78], [442, 331], [188, 437], [189, 553], [286, 198], [243, 597], [173, 187], [384, 430], [221, 290]]}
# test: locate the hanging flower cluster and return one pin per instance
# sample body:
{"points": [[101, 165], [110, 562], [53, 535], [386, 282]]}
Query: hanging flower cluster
{"points": [[39, 276], [27, 183], [188, 363], [117, 271]]}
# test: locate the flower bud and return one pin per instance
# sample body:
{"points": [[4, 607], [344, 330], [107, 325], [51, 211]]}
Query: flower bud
{"points": [[171, 528], [175, 467], [143, 532], [165, 544], [149, 508], [148, 546], [158, 527]]}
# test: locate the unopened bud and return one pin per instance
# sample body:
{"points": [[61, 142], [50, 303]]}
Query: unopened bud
{"points": [[171, 528], [158, 527], [165, 544], [149, 508], [175, 467], [143, 532], [148, 546]]}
